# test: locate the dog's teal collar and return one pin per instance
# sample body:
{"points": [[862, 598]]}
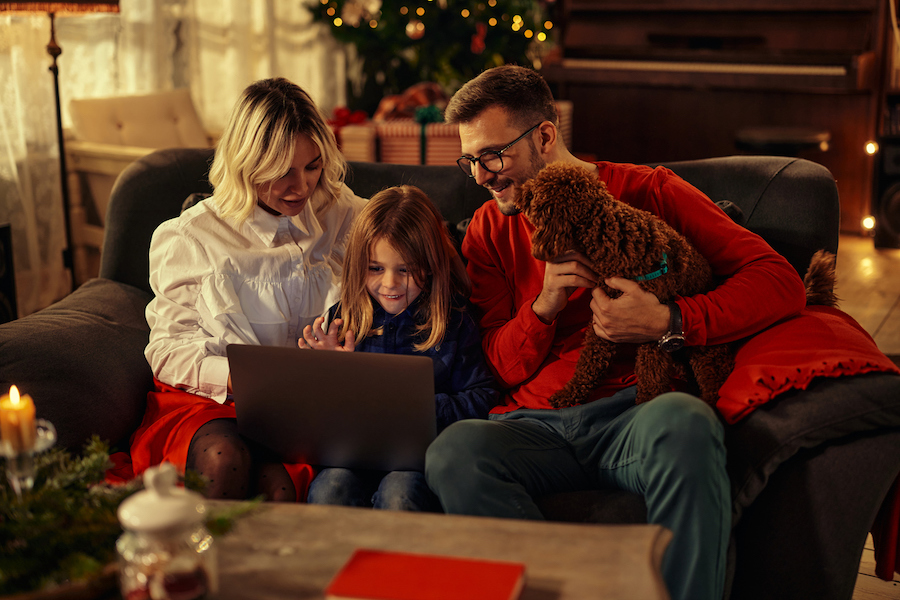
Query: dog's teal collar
{"points": [[662, 270]]}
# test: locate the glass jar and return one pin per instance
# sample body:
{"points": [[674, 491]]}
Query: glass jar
{"points": [[166, 552]]}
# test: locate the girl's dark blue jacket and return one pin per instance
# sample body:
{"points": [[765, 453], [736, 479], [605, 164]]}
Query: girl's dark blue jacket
{"points": [[464, 387]]}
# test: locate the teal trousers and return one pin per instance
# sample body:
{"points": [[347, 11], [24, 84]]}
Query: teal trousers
{"points": [[670, 450]]}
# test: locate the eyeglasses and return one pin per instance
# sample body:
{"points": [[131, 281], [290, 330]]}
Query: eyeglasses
{"points": [[492, 160]]}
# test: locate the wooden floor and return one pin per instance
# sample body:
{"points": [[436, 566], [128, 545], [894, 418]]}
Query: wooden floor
{"points": [[868, 285]]}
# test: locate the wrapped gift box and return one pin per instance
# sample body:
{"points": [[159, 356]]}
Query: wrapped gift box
{"points": [[401, 142], [359, 142]]}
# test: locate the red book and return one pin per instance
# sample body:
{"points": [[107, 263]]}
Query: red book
{"points": [[387, 575]]}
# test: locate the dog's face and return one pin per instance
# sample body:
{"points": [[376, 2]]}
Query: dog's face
{"points": [[558, 201]]}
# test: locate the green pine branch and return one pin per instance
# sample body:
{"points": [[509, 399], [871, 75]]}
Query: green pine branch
{"points": [[65, 529]]}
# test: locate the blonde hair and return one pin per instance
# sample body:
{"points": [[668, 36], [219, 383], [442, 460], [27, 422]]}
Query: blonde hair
{"points": [[404, 217], [257, 147]]}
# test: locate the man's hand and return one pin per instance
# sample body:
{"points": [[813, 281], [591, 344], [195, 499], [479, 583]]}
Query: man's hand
{"points": [[635, 317], [562, 276], [316, 338]]}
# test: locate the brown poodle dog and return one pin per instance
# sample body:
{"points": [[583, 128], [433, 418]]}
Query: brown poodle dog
{"points": [[572, 210]]}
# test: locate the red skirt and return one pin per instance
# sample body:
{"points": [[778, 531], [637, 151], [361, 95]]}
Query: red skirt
{"points": [[171, 419]]}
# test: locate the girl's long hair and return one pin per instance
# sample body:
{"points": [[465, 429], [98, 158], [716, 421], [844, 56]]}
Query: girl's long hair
{"points": [[405, 218], [257, 147]]}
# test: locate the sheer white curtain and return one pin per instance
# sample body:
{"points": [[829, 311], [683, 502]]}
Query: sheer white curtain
{"points": [[215, 47]]}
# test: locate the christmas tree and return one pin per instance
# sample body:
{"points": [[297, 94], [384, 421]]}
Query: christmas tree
{"points": [[398, 43]]}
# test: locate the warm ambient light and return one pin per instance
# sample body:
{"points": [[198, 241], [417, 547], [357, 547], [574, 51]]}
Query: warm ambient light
{"points": [[871, 148], [868, 222]]}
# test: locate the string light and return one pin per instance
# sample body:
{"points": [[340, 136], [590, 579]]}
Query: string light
{"points": [[493, 23], [871, 148]]}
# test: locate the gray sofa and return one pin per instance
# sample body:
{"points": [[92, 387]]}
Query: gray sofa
{"points": [[809, 470]]}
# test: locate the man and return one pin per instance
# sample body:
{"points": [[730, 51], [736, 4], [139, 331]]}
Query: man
{"points": [[533, 318]]}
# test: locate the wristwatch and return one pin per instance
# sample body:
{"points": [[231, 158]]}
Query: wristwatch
{"points": [[673, 339]]}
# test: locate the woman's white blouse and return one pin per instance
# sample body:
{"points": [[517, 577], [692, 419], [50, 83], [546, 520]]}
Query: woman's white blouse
{"points": [[259, 283]]}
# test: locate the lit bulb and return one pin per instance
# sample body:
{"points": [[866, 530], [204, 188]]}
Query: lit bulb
{"points": [[868, 222], [871, 148]]}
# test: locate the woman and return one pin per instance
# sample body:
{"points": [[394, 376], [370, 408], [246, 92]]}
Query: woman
{"points": [[253, 264]]}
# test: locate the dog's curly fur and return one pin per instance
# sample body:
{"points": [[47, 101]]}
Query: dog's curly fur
{"points": [[572, 210]]}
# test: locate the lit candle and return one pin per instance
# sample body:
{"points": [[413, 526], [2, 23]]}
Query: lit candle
{"points": [[17, 421]]}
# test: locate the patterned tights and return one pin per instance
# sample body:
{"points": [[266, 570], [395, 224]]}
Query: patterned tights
{"points": [[236, 468]]}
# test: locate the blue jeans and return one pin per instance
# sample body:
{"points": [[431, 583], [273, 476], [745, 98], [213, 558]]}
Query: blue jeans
{"points": [[394, 490], [669, 450]]}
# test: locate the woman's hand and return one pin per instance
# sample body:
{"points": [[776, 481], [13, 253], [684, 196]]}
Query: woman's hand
{"points": [[318, 339]]}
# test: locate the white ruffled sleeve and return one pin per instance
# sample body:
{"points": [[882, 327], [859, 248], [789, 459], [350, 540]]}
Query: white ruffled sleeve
{"points": [[187, 336]]}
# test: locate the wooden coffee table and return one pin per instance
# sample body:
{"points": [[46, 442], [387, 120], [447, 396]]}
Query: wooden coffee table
{"points": [[293, 550]]}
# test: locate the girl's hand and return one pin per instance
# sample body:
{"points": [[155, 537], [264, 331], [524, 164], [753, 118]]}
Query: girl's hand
{"points": [[318, 339]]}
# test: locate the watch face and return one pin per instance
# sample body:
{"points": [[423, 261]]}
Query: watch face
{"points": [[671, 343]]}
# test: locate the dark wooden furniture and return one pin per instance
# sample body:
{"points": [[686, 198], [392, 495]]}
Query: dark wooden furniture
{"points": [[663, 80]]}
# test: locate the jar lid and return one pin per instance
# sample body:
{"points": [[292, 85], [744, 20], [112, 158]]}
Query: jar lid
{"points": [[162, 504]]}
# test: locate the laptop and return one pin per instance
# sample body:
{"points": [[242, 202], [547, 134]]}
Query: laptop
{"points": [[358, 410]]}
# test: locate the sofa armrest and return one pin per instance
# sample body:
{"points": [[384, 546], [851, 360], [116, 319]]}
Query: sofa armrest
{"points": [[830, 409], [82, 360]]}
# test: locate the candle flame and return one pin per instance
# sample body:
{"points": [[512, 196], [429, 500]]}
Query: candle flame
{"points": [[14, 394]]}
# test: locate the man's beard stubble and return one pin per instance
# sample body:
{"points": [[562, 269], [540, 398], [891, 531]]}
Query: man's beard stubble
{"points": [[535, 164]]}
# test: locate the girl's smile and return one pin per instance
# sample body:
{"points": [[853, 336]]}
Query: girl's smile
{"points": [[388, 279]]}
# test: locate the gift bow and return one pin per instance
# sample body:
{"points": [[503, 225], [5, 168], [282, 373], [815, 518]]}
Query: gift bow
{"points": [[424, 116]]}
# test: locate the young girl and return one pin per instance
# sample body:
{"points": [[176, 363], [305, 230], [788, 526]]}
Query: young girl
{"points": [[404, 291], [253, 264]]}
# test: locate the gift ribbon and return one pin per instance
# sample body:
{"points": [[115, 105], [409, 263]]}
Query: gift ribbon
{"points": [[424, 116]]}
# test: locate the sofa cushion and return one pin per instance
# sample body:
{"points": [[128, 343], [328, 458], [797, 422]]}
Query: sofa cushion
{"points": [[82, 360]]}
